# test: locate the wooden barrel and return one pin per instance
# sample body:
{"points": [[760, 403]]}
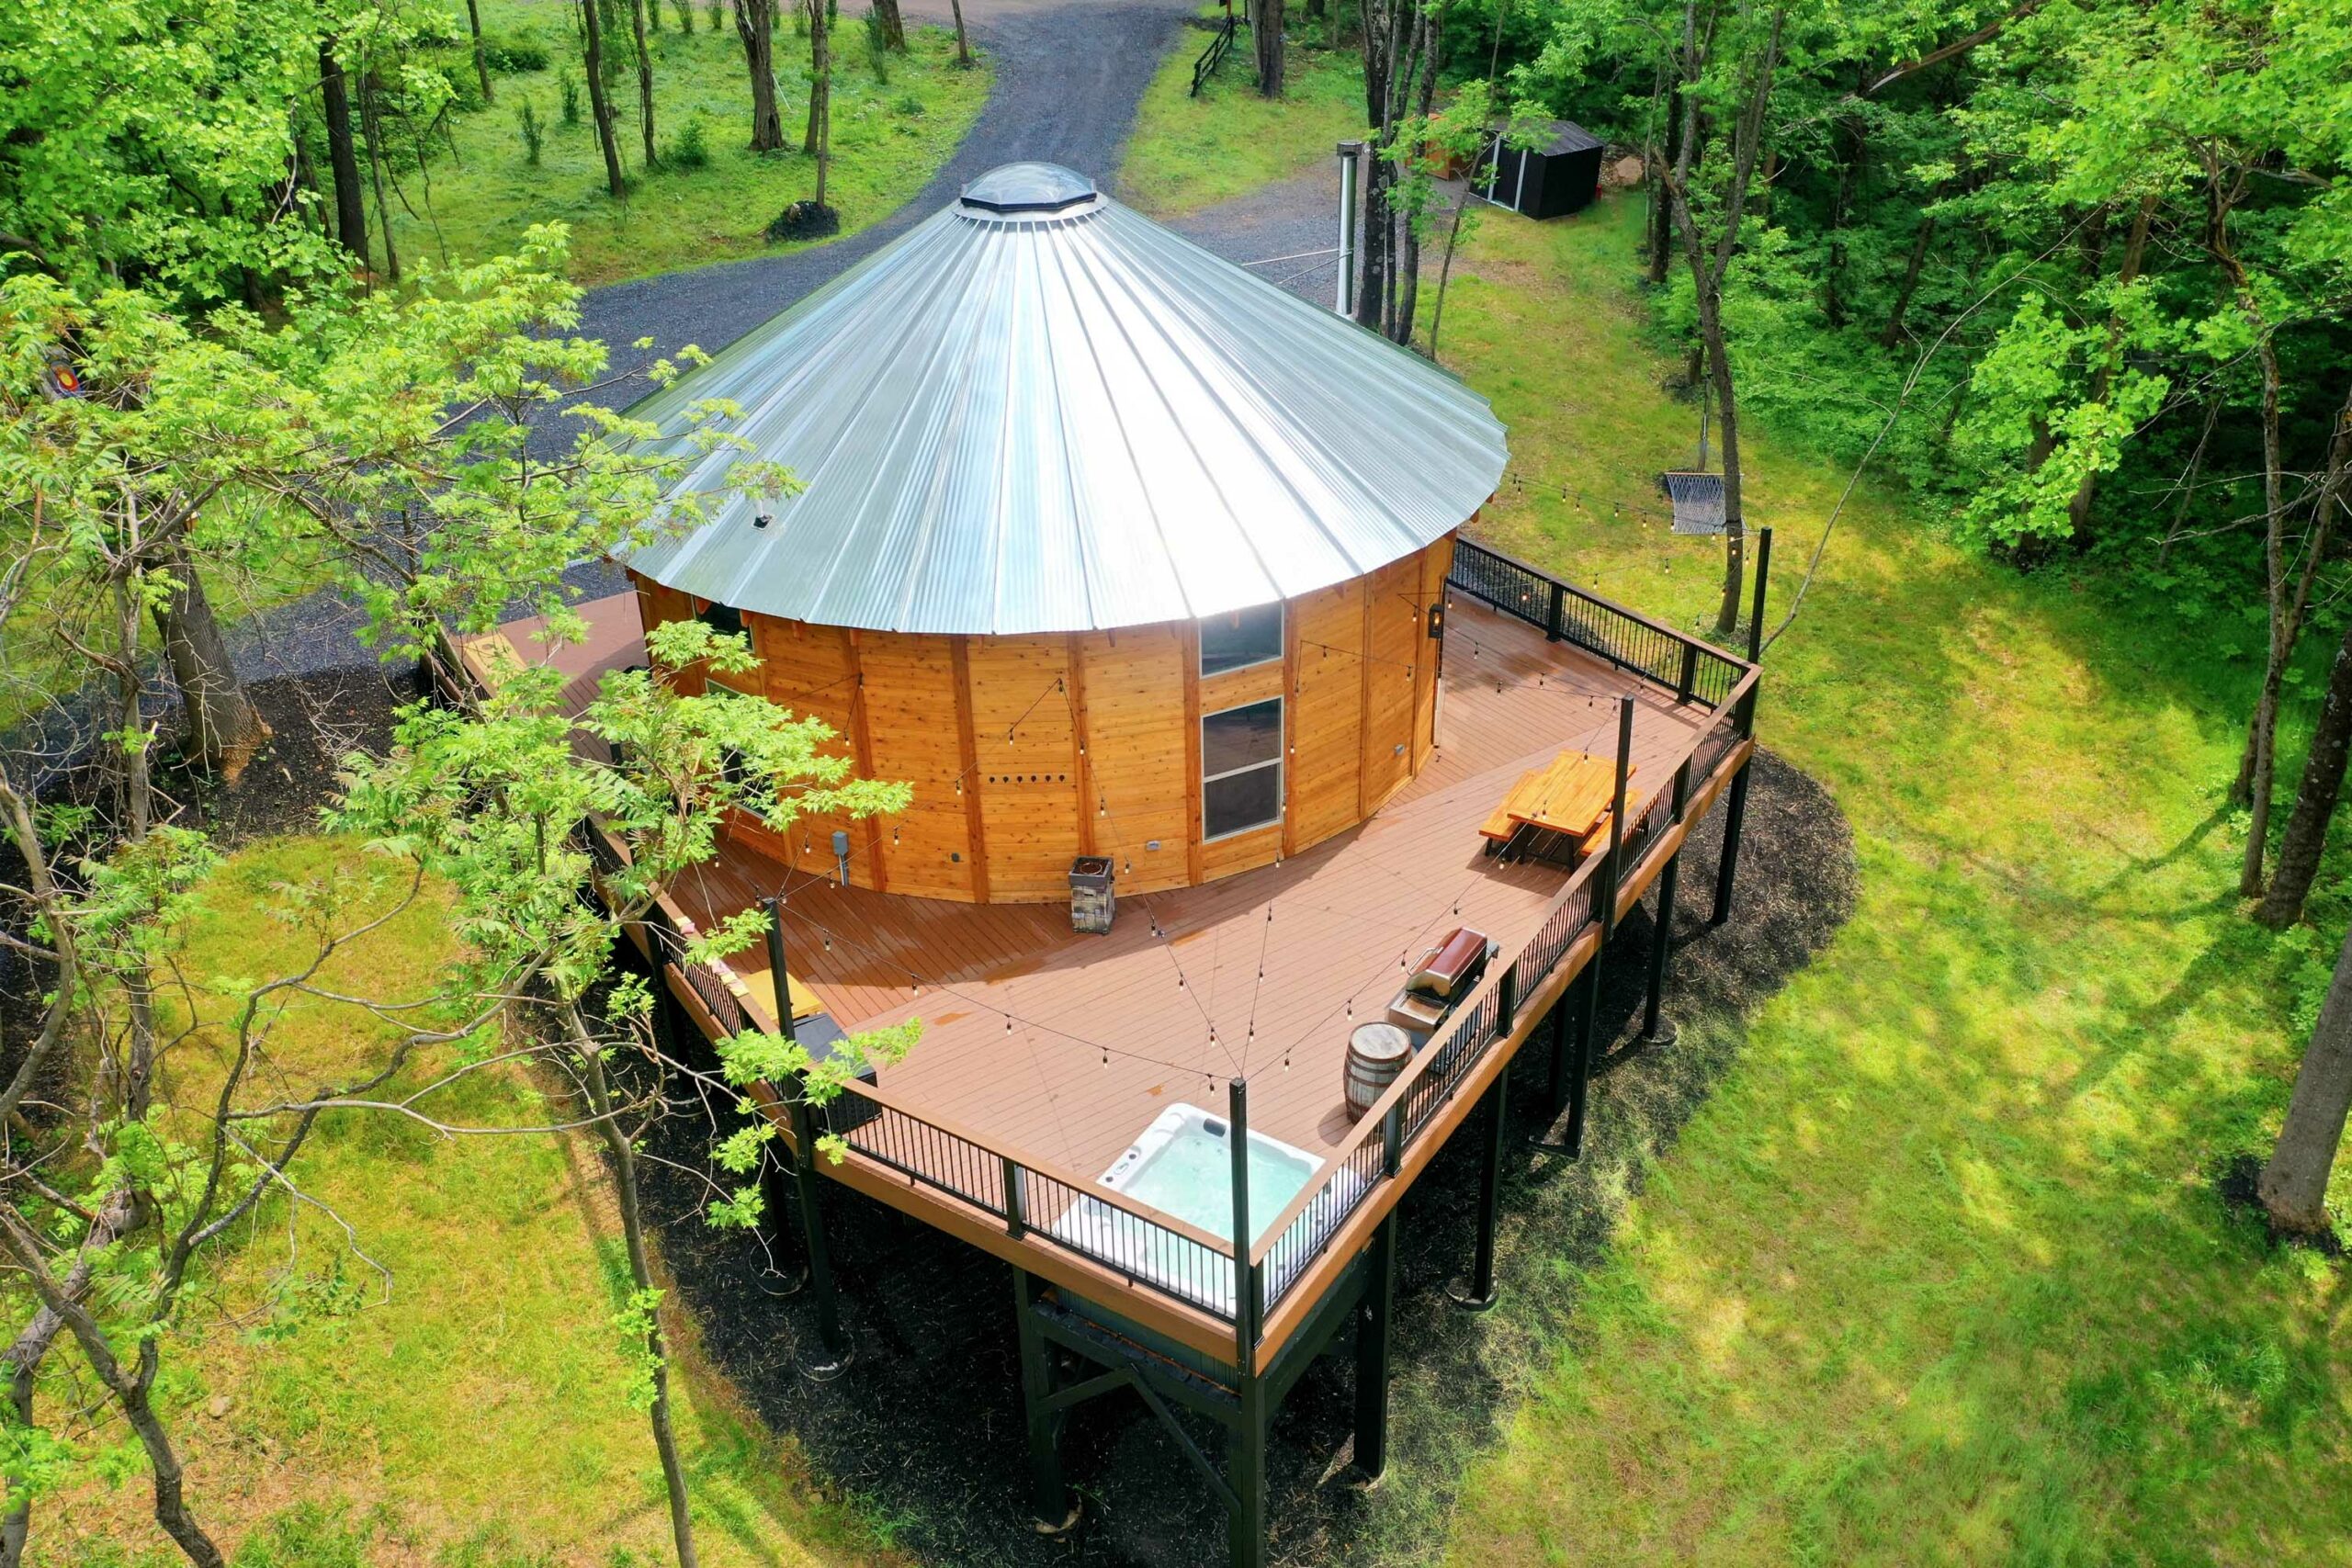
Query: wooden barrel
{"points": [[1376, 1053]]}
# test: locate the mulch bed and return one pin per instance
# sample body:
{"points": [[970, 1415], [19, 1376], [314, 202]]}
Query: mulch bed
{"points": [[925, 1428]]}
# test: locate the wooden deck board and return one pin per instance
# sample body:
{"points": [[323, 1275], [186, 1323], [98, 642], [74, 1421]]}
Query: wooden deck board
{"points": [[1347, 915]]}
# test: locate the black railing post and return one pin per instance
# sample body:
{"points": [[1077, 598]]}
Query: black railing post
{"points": [[1245, 1302], [1610, 868], [1688, 680], [1506, 1001], [1556, 619], [1016, 1207], [777, 974], [1763, 577], [1392, 1140]]}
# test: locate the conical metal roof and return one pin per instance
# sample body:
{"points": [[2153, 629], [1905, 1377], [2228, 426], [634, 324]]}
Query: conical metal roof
{"points": [[1040, 412]]}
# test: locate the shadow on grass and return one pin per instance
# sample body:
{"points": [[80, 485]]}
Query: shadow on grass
{"points": [[925, 1430]]}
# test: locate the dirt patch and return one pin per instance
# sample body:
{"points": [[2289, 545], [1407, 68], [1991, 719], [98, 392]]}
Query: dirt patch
{"points": [[925, 1429]]}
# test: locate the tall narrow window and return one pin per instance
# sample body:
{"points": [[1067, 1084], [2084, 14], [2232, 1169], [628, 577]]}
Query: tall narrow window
{"points": [[724, 619], [1241, 768], [1241, 638]]}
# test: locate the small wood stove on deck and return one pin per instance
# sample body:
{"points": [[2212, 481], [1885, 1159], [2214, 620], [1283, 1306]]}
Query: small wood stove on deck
{"points": [[1141, 570]]}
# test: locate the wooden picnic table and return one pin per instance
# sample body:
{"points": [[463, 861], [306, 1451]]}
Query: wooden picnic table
{"points": [[1570, 795]]}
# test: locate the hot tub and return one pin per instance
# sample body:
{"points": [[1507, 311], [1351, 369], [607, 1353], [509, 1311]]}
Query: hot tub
{"points": [[1182, 1166]]}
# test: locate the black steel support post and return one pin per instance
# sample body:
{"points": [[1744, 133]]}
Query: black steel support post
{"points": [[836, 1351], [1735, 811], [1478, 1292], [1561, 1024], [1656, 1029], [1245, 1448], [1052, 1511], [1246, 1443], [1374, 1313], [781, 1278]]}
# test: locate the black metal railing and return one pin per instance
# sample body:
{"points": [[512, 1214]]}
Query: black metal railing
{"points": [[1491, 1013], [1692, 668], [1213, 56]]}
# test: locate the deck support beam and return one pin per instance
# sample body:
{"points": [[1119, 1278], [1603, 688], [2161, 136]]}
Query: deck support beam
{"points": [[1734, 817], [1478, 1292], [1375, 1314], [833, 1356], [1052, 1509], [1245, 1470], [1657, 1029]]}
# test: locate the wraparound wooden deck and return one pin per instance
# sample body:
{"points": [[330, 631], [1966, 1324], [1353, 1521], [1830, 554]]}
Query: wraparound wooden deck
{"points": [[1172, 996]]}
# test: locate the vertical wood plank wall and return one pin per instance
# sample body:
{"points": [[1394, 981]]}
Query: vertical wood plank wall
{"points": [[1025, 751]]}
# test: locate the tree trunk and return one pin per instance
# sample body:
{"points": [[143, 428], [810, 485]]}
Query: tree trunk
{"points": [[2294, 1188], [963, 40], [371, 127], [1266, 41], [644, 76], [1893, 333], [820, 94], [2306, 835], [224, 729], [1662, 213], [343, 158], [1841, 206], [482, 55], [2078, 509], [623, 1156], [755, 25], [894, 25], [599, 103]]}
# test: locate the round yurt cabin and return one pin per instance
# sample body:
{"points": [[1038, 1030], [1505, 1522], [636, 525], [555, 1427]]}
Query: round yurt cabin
{"points": [[1107, 545]]}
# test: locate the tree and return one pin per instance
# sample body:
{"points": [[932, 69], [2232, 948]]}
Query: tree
{"points": [[1266, 43], [343, 158], [755, 25], [894, 25], [963, 39], [2293, 1185], [820, 139], [482, 52], [599, 101], [1747, 95], [644, 75]]}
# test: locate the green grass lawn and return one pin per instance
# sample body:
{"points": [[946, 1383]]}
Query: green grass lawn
{"points": [[474, 1419], [1187, 153], [889, 139], [1939, 1273]]}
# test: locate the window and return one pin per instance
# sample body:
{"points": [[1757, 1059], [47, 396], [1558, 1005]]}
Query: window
{"points": [[731, 764], [1241, 638], [1241, 768], [723, 619]]}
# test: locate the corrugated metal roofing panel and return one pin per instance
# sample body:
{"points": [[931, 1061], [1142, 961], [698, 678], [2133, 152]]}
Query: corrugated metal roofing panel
{"points": [[1060, 416]]}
